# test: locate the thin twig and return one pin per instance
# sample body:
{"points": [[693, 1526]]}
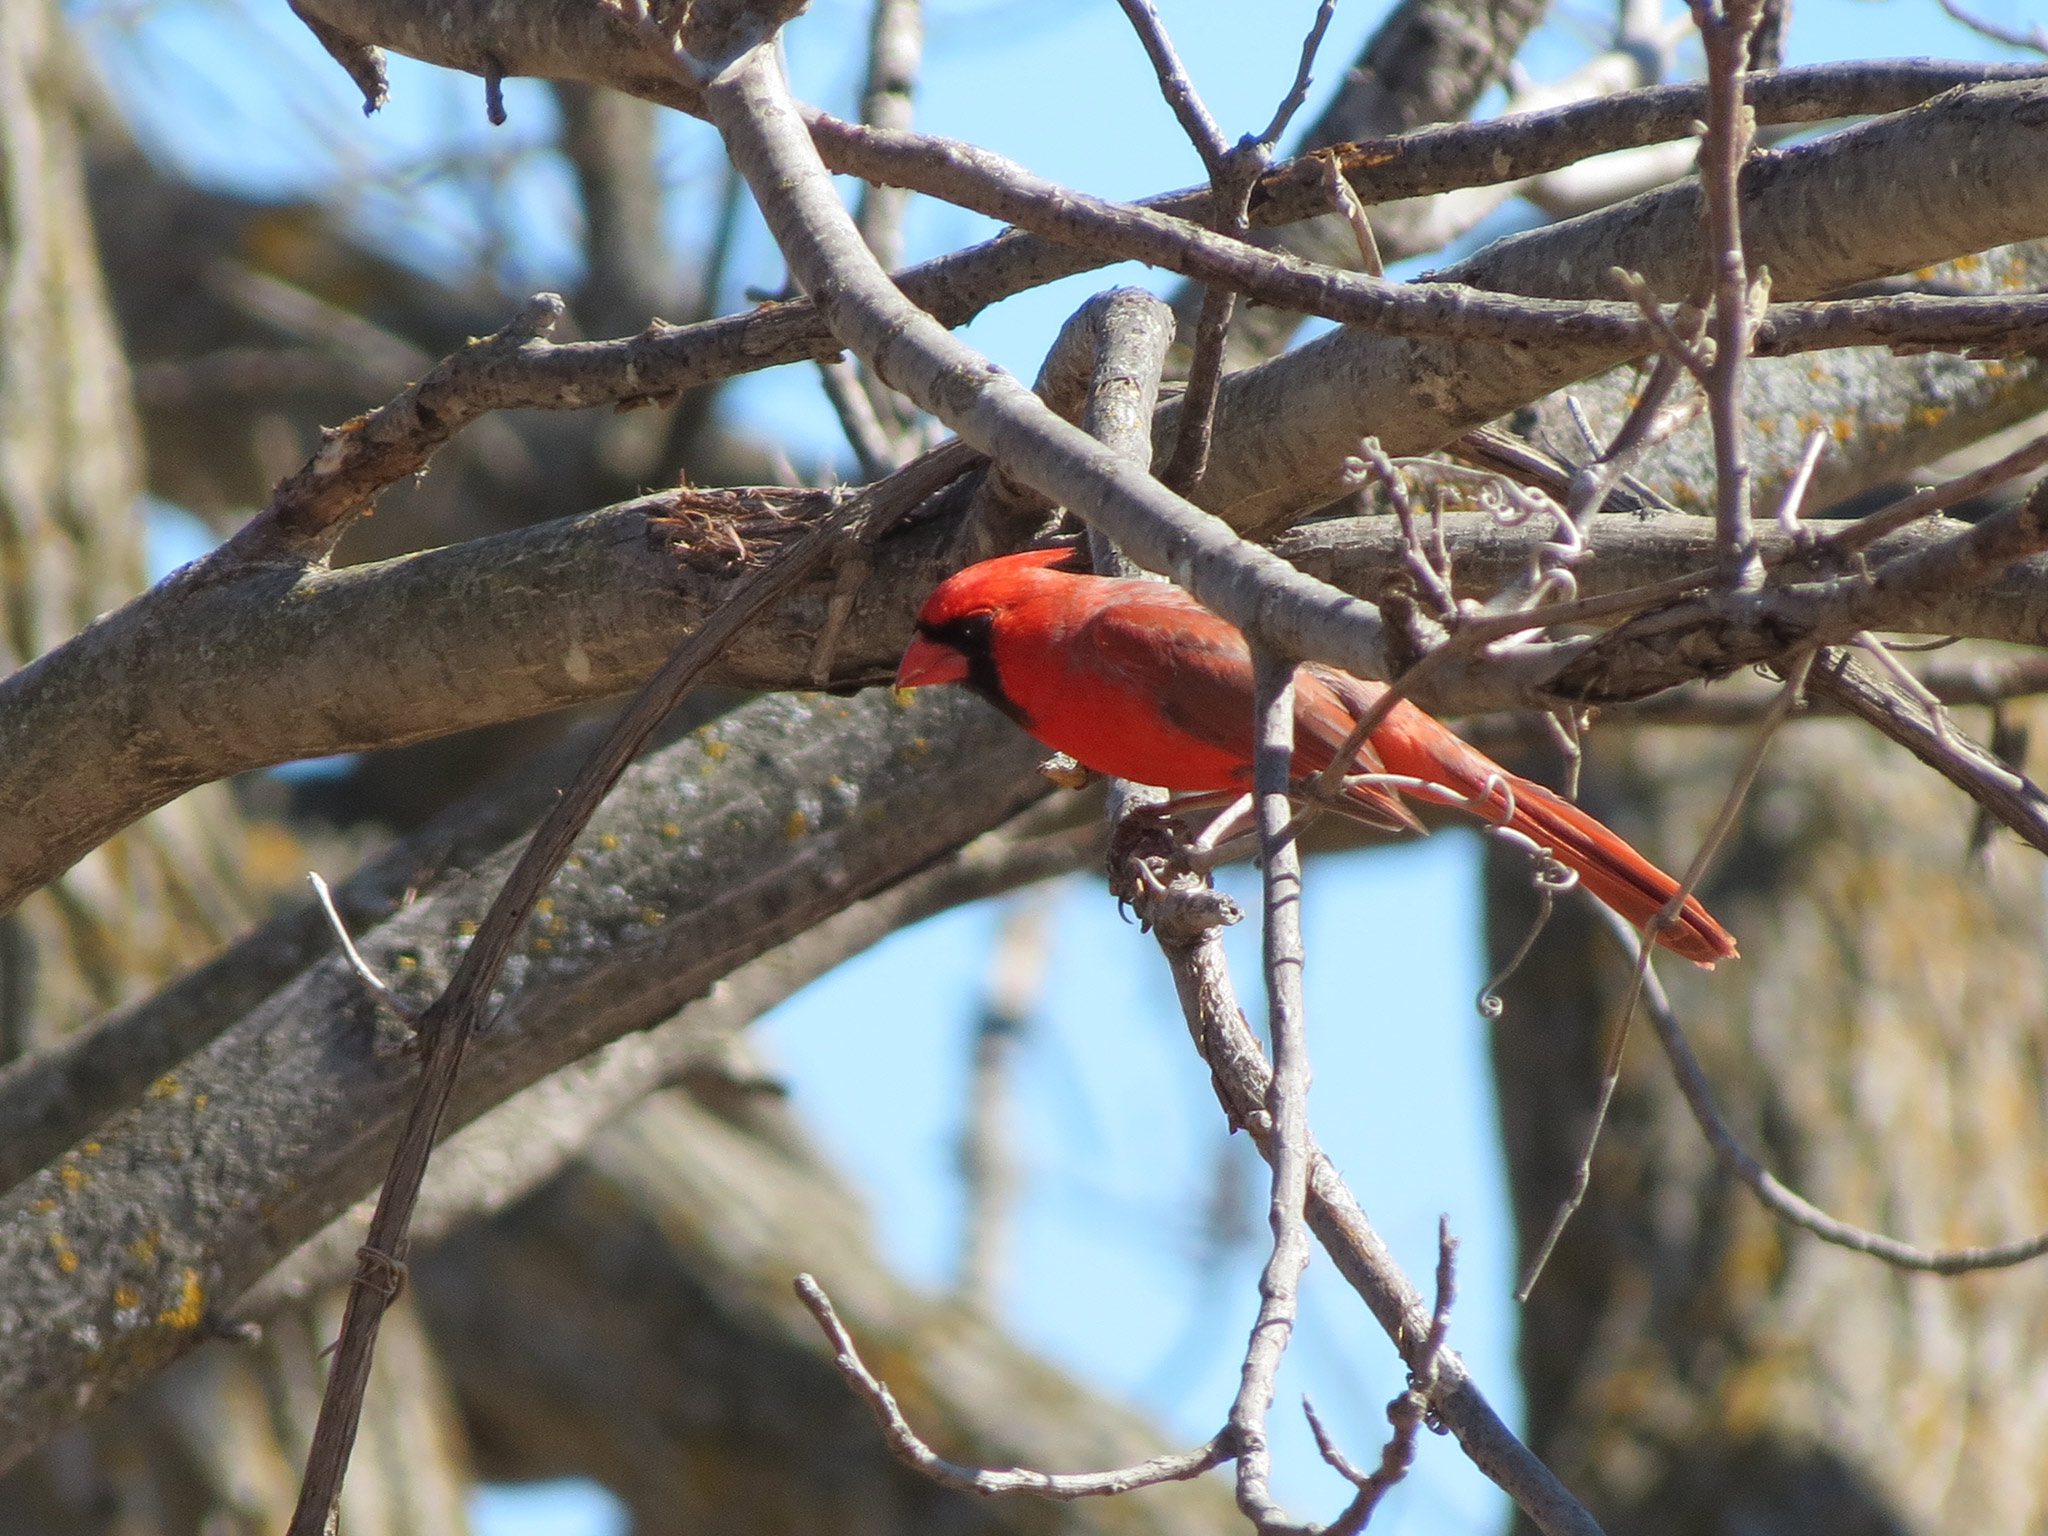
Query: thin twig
{"points": [[1649, 423], [1676, 334], [1726, 27], [364, 972], [864, 431], [1406, 1413], [1777, 1199], [1304, 76], [1793, 499], [1354, 214], [1175, 85], [1430, 581], [906, 1445], [1866, 531], [1287, 1094], [2035, 39], [1233, 172], [1186, 915], [1610, 1072], [2009, 797]]}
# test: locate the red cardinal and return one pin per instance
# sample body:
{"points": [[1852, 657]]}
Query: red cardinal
{"points": [[1137, 680]]}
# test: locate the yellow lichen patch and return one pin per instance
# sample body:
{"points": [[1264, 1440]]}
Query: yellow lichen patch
{"points": [[796, 825], [67, 1256], [543, 944], [466, 928], [91, 1149], [198, 1102], [1747, 1395], [126, 1296], [671, 829], [714, 749], [608, 840], [544, 906], [74, 1179], [1842, 428], [652, 917], [143, 1249], [191, 1304], [900, 697], [44, 1206], [164, 1087]]}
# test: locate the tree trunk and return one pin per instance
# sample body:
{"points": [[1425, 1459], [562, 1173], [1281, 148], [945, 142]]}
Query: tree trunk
{"points": [[1691, 1364]]}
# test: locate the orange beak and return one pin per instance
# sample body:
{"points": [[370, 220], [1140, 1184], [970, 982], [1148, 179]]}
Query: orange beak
{"points": [[927, 661]]}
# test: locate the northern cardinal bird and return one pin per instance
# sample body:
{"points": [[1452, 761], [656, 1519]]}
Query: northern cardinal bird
{"points": [[1138, 680]]}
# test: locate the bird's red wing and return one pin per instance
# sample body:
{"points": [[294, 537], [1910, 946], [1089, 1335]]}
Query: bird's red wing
{"points": [[1176, 687], [1188, 678]]}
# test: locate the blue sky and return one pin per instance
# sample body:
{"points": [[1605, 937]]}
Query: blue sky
{"points": [[1117, 1132]]}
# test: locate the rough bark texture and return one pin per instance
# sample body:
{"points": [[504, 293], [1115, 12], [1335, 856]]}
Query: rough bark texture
{"points": [[1691, 1365], [740, 837]]}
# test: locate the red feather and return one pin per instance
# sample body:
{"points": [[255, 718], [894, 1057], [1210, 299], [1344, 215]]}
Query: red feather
{"points": [[1137, 680]]}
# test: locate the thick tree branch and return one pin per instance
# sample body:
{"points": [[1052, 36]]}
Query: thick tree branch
{"points": [[988, 183], [514, 1147], [581, 609], [1833, 213], [251, 1146]]}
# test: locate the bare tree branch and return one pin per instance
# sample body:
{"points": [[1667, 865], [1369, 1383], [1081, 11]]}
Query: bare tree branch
{"points": [[912, 1451], [249, 1147], [1185, 916], [2008, 797], [1286, 1094]]}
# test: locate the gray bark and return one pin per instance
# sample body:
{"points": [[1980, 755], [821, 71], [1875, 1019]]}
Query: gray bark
{"points": [[251, 1146]]}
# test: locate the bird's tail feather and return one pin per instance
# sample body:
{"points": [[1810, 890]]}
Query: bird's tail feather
{"points": [[1604, 862]]}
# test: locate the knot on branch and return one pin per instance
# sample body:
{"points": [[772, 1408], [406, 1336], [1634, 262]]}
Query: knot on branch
{"points": [[1151, 871]]}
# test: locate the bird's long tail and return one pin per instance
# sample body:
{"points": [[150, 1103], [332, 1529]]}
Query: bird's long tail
{"points": [[1414, 745]]}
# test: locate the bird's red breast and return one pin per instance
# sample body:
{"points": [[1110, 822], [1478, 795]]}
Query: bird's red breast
{"points": [[1137, 680]]}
